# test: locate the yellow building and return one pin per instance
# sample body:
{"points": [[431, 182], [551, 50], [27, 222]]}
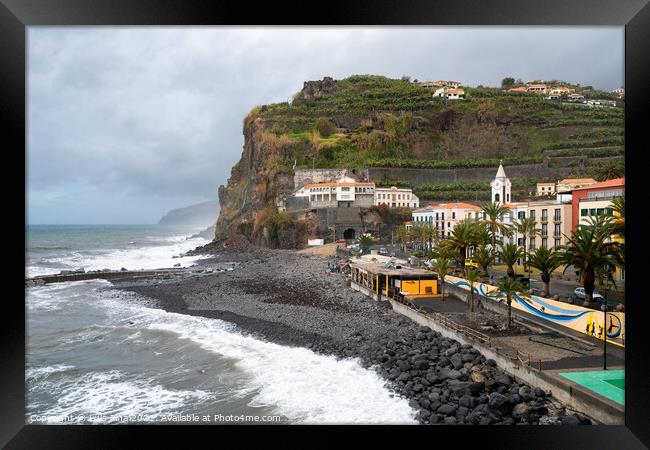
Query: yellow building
{"points": [[383, 283]]}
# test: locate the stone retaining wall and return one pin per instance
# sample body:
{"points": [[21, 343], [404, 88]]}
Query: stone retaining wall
{"points": [[577, 398]]}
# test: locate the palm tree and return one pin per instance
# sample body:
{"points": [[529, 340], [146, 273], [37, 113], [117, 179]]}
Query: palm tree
{"points": [[526, 227], [508, 288], [494, 213], [609, 171], [589, 249], [462, 237], [510, 254], [484, 256], [546, 260], [618, 205], [441, 266], [472, 277], [365, 241]]}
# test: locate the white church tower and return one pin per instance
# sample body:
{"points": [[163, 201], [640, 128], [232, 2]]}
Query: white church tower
{"points": [[501, 187]]}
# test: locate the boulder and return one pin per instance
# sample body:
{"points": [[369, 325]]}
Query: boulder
{"points": [[498, 402], [477, 377], [448, 410], [570, 420], [521, 411]]}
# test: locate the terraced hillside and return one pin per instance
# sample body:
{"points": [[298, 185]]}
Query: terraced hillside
{"points": [[402, 134]]}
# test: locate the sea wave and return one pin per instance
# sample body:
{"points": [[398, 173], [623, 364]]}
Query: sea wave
{"points": [[110, 397], [303, 386]]}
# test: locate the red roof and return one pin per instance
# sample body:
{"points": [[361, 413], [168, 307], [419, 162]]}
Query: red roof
{"points": [[605, 184]]}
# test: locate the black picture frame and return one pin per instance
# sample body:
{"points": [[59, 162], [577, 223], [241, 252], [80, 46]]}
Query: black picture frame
{"points": [[634, 15]]}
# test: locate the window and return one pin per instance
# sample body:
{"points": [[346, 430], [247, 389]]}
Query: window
{"points": [[442, 216], [544, 229], [453, 215], [556, 232], [600, 211], [584, 212], [496, 197], [557, 243], [544, 242], [521, 215], [345, 188], [436, 216], [557, 215], [592, 211], [532, 215], [544, 214], [531, 245], [448, 224]]}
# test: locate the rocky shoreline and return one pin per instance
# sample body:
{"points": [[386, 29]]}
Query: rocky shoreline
{"points": [[290, 298]]}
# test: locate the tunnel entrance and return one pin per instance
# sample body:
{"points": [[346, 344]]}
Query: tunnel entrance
{"points": [[349, 233]]}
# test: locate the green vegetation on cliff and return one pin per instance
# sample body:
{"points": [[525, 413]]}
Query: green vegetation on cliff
{"points": [[369, 120]]}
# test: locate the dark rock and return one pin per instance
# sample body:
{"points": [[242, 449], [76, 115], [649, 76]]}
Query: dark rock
{"points": [[539, 393], [454, 374], [503, 380], [475, 388], [465, 401], [456, 361], [498, 402], [520, 411], [491, 362], [570, 420], [450, 420], [447, 410]]}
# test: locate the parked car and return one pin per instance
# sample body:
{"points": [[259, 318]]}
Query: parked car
{"points": [[383, 251], [523, 279], [580, 293]]}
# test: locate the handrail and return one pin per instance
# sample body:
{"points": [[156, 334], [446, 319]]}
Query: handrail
{"points": [[522, 358]]}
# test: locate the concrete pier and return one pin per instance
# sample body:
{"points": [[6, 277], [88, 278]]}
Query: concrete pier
{"points": [[110, 275]]}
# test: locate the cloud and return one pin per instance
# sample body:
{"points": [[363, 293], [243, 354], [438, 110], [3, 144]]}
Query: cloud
{"points": [[154, 115]]}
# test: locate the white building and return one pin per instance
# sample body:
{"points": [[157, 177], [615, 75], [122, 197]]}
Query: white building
{"points": [[395, 197], [501, 187], [346, 192], [444, 216], [449, 93], [545, 189]]}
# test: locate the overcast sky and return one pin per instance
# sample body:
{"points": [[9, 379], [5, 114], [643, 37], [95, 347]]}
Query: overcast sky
{"points": [[127, 123]]}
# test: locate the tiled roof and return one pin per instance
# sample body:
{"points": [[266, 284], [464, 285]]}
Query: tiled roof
{"points": [[456, 205], [350, 183], [577, 180], [605, 184]]}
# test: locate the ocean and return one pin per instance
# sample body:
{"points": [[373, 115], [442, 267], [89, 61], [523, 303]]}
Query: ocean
{"points": [[97, 355]]}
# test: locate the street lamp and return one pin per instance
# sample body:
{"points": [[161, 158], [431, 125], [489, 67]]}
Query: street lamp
{"points": [[604, 308]]}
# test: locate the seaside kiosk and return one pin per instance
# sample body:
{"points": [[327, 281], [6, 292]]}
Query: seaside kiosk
{"points": [[383, 281]]}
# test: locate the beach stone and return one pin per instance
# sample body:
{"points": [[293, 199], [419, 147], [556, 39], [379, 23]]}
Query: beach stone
{"points": [[447, 410], [491, 362], [570, 420], [477, 377], [498, 401], [503, 380], [475, 388], [539, 393], [450, 420], [454, 374], [456, 361], [520, 411]]}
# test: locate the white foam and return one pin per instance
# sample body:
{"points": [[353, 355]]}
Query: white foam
{"points": [[37, 373], [303, 386], [56, 296], [108, 397], [135, 258]]}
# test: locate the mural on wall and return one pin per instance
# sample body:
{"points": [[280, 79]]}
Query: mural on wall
{"points": [[579, 318]]}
